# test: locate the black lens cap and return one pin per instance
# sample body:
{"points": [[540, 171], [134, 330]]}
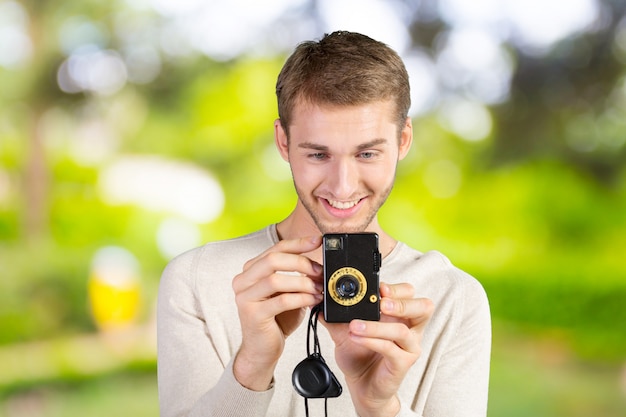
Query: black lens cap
{"points": [[313, 379]]}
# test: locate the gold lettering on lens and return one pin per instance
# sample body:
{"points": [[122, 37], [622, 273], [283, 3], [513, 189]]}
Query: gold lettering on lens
{"points": [[351, 276]]}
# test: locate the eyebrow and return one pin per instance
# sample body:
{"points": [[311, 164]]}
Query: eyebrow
{"points": [[314, 146], [371, 144], [366, 145]]}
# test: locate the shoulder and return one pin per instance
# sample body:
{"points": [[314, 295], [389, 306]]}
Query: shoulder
{"points": [[461, 303], [460, 297], [433, 274], [218, 255]]}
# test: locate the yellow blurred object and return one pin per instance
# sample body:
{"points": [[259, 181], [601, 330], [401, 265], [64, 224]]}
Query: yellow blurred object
{"points": [[114, 288], [112, 305]]}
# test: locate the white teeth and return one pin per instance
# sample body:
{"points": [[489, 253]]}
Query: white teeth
{"points": [[343, 205]]}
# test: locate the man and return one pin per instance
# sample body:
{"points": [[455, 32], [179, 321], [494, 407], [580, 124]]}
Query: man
{"points": [[231, 314]]}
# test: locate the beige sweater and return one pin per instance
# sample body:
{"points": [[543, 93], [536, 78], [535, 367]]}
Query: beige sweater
{"points": [[199, 334]]}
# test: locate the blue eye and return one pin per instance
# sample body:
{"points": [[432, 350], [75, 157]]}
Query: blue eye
{"points": [[318, 156], [367, 155]]}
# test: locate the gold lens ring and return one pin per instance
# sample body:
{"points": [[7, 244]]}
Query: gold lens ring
{"points": [[340, 273]]}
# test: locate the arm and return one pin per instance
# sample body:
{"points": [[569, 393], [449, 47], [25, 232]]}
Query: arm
{"points": [[192, 377], [376, 356], [460, 386], [271, 305]]}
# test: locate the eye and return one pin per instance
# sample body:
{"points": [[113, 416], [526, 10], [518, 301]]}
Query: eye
{"points": [[317, 156], [367, 155]]}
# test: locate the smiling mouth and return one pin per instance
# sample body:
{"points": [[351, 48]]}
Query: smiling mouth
{"points": [[343, 205]]}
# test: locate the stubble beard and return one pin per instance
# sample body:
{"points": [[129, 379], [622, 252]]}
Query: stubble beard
{"points": [[310, 204]]}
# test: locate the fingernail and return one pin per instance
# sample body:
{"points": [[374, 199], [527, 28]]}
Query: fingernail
{"points": [[358, 326], [317, 267], [388, 305]]}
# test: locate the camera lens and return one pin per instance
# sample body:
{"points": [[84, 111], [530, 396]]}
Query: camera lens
{"points": [[347, 286]]}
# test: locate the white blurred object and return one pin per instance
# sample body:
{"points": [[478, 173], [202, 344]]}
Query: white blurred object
{"points": [[159, 184], [176, 235]]}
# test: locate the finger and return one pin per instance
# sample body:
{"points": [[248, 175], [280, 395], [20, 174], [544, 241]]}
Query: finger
{"points": [[275, 262], [289, 301], [276, 294], [399, 354], [417, 311], [386, 338], [403, 290], [278, 283], [295, 246], [260, 310]]}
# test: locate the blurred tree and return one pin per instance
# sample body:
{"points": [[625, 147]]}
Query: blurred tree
{"points": [[570, 103], [105, 79]]}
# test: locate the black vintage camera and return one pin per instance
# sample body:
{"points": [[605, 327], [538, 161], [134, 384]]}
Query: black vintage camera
{"points": [[351, 265]]}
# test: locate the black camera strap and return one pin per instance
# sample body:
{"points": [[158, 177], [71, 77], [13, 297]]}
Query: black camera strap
{"points": [[313, 318], [312, 378]]}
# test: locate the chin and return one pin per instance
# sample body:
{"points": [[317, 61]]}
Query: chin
{"points": [[341, 228]]}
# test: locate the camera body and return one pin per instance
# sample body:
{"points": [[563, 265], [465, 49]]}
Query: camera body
{"points": [[351, 277]]}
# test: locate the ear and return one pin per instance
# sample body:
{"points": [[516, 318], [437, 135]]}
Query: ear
{"points": [[406, 139], [280, 138]]}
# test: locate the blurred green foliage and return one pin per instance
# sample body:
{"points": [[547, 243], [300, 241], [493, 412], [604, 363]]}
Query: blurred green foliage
{"points": [[539, 221]]}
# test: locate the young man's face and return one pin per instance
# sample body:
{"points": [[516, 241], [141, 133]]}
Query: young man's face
{"points": [[343, 161]]}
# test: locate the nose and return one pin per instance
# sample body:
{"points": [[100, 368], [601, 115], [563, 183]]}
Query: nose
{"points": [[344, 179]]}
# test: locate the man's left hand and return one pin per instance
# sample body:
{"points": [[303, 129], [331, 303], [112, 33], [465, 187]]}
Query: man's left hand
{"points": [[375, 356]]}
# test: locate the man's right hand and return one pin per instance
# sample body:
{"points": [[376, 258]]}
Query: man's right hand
{"points": [[272, 294]]}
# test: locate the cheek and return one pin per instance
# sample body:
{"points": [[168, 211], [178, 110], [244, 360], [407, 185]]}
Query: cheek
{"points": [[305, 176], [378, 174]]}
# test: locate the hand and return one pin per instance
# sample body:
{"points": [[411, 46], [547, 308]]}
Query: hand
{"points": [[376, 356], [272, 304]]}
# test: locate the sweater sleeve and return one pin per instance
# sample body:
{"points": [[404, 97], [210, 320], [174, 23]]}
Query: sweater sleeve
{"points": [[192, 378], [461, 383]]}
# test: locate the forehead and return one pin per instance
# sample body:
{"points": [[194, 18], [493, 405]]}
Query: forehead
{"points": [[312, 121]]}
